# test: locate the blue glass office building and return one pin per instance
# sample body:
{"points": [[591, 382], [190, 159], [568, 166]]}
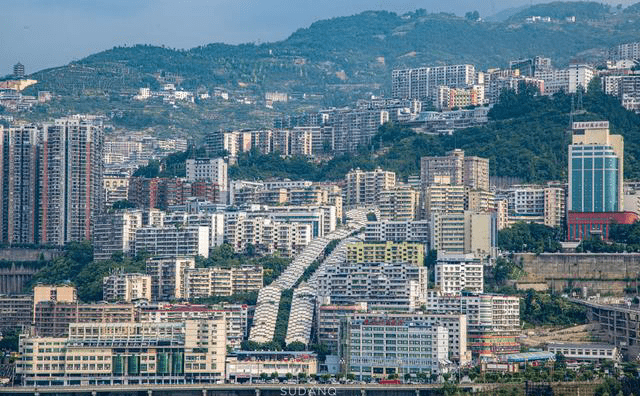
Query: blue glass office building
{"points": [[594, 174]]}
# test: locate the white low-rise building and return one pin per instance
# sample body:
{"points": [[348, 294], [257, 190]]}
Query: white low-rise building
{"points": [[213, 221], [236, 317], [585, 352], [266, 235], [393, 286], [398, 231], [245, 366]]}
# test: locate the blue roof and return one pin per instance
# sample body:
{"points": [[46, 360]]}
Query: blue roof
{"points": [[530, 356]]}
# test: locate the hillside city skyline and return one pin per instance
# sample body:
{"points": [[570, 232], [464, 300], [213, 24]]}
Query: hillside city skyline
{"points": [[386, 204], [44, 34]]}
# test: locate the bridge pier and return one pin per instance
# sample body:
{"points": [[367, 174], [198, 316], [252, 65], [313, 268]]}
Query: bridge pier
{"points": [[204, 392], [149, 392], [363, 392], [417, 392], [257, 392]]}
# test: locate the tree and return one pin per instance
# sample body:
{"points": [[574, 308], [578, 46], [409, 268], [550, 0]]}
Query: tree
{"points": [[9, 340], [251, 250], [529, 237], [321, 350], [123, 204], [560, 363], [274, 375], [472, 15], [296, 346]]}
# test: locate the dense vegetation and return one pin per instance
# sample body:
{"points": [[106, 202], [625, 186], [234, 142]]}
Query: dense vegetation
{"points": [[77, 267], [627, 385], [538, 309], [529, 237], [622, 238], [497, 277], [282, 320]]}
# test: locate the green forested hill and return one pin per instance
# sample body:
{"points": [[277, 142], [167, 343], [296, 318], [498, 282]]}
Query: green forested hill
{"points": [[360, 49]]}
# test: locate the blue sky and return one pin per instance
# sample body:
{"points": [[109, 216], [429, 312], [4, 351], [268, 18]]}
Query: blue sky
{"points": [[48, 33]]}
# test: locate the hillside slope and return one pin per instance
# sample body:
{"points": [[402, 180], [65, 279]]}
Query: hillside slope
{"points": [[360, 49]]}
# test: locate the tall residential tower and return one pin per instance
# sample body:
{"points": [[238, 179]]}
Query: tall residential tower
{"points": [[596, 168]]}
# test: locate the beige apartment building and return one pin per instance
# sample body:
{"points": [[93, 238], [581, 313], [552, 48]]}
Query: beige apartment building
{"points": [[364, 188], [207, 282], [126, 287], [386, 252]]}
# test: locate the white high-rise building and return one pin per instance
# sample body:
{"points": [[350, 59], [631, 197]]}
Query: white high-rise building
{"points": [[116, 232], [364, 188], [455, 273], [52, 188], [71, 188], [213, 221], [19, 151], [538, 204], [457, 169], [464, 232], [399, 203], [126, 287], [173, 241], [580, 76], [420, 83], [209, 169], [567, 80]]}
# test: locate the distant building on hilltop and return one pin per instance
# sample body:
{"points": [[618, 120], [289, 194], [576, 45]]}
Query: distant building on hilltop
{"points": [[18, 70]]}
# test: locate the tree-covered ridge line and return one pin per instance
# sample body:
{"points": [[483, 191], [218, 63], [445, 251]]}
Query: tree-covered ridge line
{"points": [[363, 47]]}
